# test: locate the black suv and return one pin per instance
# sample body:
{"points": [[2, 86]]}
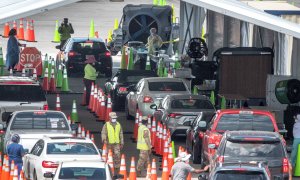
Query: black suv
{"points": [[239, 171], [254, 146], [75, 51]]}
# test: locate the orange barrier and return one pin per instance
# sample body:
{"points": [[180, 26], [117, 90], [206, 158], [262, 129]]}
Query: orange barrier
{"points": [[132, 172], [123, 167]]}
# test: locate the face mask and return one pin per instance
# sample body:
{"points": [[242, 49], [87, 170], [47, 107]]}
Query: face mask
{"points": [[113, 120]]}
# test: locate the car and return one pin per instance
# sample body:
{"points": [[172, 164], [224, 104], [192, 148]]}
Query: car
{"points": [[257, 146], [233, 120], [150, 91], [74, 53], [194, 135], [48, 152], [90, 170], [31, 125], [120, 84], [21, 93], [177, 111], [238, 171]]}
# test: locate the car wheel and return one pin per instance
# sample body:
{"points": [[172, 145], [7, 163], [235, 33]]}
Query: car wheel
{"points": [[196, 154], [128, 116], [34, 175]]}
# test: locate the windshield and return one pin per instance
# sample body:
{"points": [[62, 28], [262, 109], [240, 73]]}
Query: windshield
{"points": [[39, 120], [86, 173], [191, 104], [239, 175], [237, 122], [21, 93], [71, 148], [81, 47], [166, 86], [253, 149]]}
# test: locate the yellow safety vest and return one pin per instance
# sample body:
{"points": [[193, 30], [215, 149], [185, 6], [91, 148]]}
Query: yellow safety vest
{"points": [[141, 143], [113, 133]]}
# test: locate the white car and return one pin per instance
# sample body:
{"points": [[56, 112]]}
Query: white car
{"points": [[90, 170], [48, 152], [32, 125]]}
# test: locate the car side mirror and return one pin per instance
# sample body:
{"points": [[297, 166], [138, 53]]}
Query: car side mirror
{"points": [[58, 47], [212, 146], [187, 123], [74, 127], [118, 176], [202, 125], [202, 177], [48, 175], [153, 106]]}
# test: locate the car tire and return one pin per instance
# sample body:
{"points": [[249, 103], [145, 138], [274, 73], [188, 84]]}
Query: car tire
{"points": [[34, 175], [128, 116], [196, 153]]}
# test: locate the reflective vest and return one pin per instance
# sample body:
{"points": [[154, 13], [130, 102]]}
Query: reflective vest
{"points": [[113, 133], [141, 143]]}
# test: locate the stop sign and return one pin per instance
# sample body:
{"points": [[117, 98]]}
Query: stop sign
{"points": [[30, 58]]}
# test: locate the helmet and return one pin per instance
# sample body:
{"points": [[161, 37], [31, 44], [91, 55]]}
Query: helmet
{"points": [[15, 138]]}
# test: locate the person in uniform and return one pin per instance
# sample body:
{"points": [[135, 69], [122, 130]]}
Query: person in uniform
{"points": [[16, 152], [90, 76], [65, 30], [13, 50], [144, 145], [154, 43], [112, 136], [296, 141]]}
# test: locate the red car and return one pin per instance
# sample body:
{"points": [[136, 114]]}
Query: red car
{"points": [[233, 120]]}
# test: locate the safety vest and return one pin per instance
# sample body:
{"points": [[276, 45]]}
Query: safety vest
{"points": [[141, 143], [113, 133]]}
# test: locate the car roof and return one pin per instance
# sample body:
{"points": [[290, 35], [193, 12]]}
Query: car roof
{"points": [[50, 139], [187, 96], [162, 79], [78, 39], [237, 111], [17, 80], [264, 135], [82, 163], [46, 111]]}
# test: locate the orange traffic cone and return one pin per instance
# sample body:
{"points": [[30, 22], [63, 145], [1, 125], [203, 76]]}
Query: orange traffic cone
{"points": [[22, 175], [52, 87], [31, 34], [110, 161], [149, 123], [83, 102], [97, 112], [45, 81], [123, 167], [136, 125], [34, 76], [12, 168], [6, 173], [94, 99], [108, 108], [88, 134], [93, 138], [91, 97], [163, 138], [6, 30], [1, 165], [104, 153], [58, 108], [132, 172], [165, 173], [3, 168], [170, 158], [156, 145], [83, 132], [102, 109], [166, 151], [21, 30], [15, 175], [153, 170], [148, 176], [160, 140], [153, 132], [79, 130], [27, 30], [96, 96]]}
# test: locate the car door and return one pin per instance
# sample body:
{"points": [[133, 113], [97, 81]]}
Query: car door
{"points": [[159, 112], [31, 159], [165, 110], [206, 137], [133, 95], [191, 132], [130, 97]]}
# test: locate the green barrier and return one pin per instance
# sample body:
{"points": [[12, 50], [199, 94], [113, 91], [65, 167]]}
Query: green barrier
{"points": [[297, 167], [173, 150]]}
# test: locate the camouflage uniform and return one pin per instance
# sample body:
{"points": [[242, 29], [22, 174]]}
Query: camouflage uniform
{"points": [[144, 158], [154, 42], [115, 148]]}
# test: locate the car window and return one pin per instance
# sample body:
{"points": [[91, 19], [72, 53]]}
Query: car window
{"points": [[75, 148], [21, 93], [88, 173], [163, 104], [166, 86], [141, 87], [191, 104], [253, 149], [207, 118], [239, 175], [38, 148], [255, 122], [212, 121], [39, 120], [82, 46]]}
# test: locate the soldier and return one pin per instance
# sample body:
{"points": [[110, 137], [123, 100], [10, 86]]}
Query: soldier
{"points": [[65, 30], [144, 145], [112, 136], [154, 43]]}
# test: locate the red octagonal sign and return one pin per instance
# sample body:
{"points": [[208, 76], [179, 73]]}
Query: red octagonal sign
{"points": [[30, 58]]}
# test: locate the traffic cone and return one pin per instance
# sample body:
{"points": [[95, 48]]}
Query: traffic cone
{"points": [[98, 102], [31, 35], [93, 138], [52, 87], [91, 97], [50, 68], [27, 30], [163, 138], [102, 109], [123, 59], [21, 30], [96, 34], [170, 74], [58, 108], [12, 168], [79, 130], [94, 99], [130, 61], [223, 103], [149, 123], [212, 98], [177, 63], [74, 115], [123, 167], [173, 150], [1, 165], [116, 24], [170, 158], [108, 108], [155, 2], [6, 30], [156, 142], [1, 63], [297, 167], [69, 120], [136, 125], [83, 99], [6, 169], [11, 72], [153, 132], [104, 153], [59, 78], [65, 83], [173, 14], [45, 66], [45, 81], [110, 161], [148, 177], [195, 90], [15, 174], [88, 134], [15, 25], [22, 175], [165, 72], [92, 29], [148, 65], [23, 72], [153, 170], [132, 172], [165, 173], [109, 37], [56, 38], [34, 75], [83, 132]]}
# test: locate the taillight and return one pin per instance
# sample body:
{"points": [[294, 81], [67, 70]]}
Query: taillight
{"points": [[49, 164], [174, 115], [72, 53], [216, 138], [122, 90], [201, 135], [148, 99], [46, 107], [107, 54], [220, 159], [285, 165]]}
